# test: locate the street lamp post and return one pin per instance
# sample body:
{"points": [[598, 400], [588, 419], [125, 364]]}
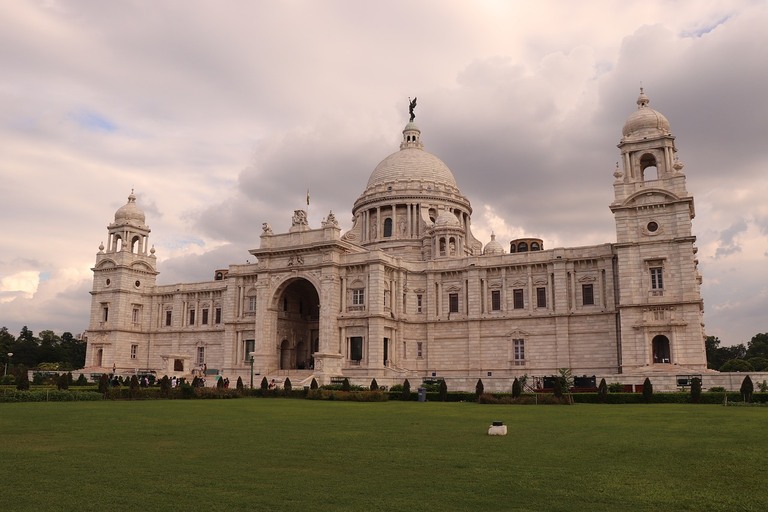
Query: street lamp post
{"points": [[10, 355], [251, 371]]}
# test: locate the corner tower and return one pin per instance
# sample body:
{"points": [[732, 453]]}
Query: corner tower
{"points": [[125, 271], [660, 305]]}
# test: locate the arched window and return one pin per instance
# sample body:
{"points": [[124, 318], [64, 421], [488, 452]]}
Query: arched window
{"points": [[648, 167], [535, 246], [522, 247], [442, 247], [387, 227], [512, 247], [660, 349]]}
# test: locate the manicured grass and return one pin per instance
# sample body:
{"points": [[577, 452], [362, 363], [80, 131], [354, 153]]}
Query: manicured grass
{"points": [[277, 454]]}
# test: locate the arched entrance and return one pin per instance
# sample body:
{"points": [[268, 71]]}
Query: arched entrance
{"points": [[661, 349], [298, 319]]}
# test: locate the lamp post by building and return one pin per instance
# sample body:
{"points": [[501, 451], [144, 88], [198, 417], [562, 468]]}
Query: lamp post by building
{"points": [[10, 355], [251, 371]]}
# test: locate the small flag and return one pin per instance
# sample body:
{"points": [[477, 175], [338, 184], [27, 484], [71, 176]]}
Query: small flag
{"points": [[307, 197]]}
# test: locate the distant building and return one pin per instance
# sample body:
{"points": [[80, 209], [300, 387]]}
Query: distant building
{"points": [[409, 292]]}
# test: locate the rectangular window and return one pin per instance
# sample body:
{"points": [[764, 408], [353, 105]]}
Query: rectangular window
{"points": [[356, 348], [587, 294], [200, 356], [386, 298], [134, 350], [541, 297], [419, 348], [418, 303], [358, 297], [519, 351], [191, 317], [252, 304], [135, 315], [217, 316], [453, 302], [496, 300], [517, 298], [105, 313], [249, 346], [168, 318], [657, 278], [204, 318]]}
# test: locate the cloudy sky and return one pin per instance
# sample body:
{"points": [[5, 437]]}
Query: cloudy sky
{"points": [[222, 114]]}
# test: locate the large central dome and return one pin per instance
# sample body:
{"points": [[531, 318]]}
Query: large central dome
{"points": [[411, 164]]}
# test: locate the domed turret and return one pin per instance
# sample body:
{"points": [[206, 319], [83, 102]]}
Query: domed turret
{"points": [[493, 247], [130, 213], [644, 123]]}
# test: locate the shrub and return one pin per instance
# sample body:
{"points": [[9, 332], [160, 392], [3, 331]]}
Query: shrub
{"points": [[747, 388], [516, 388], [22, 380], [345, 385], [62, 382], [479, 388], [443, 392], [133, 390], [602, 391], [103, 383], [716, 389], [165, 387], [81, 380], [8, 380], [220, 383], [70, 380], [313, 384], [557, 388], [287, 386], [695, 390], [406, 394], [239, 385], [616, 387], [762, 386], [647, 390], [374, 385], [264, 384]]}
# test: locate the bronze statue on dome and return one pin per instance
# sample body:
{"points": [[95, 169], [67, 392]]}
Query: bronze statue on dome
{"points": [[411, 107]]}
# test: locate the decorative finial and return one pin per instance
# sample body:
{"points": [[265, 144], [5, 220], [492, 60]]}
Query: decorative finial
{"points": [[642, 100], [411, 107]]}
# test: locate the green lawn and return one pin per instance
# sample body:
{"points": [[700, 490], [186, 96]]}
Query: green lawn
{"points": [[278, 454]]}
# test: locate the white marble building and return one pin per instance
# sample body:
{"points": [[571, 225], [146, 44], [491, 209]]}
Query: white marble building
{"points": [[409, 292]]}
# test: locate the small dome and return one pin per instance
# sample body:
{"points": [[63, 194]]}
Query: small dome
{"points": [[447, 220], [129, 212], [645, 122], [493, 247]]}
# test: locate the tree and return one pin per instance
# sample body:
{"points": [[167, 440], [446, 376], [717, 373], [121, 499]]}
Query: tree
{"points": [[443, 392], [717, 356], [239, 385], [406, 394], [133, 391], [287, 386], [736, 365], [695, 390], [759, 363], [81, 380], [374, 385], [517, 389], [345, 385], [758, 345], [264, 384], [313, 384], [602, 391], [747, 388], [479, 388], [647, 390]]}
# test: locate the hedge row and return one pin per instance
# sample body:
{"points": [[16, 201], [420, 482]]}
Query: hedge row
{"points": [[49, 395]]}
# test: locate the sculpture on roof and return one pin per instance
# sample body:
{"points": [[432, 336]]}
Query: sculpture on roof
{"points": [[411, 107]]}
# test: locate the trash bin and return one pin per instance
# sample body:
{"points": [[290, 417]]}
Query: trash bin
{"points": [[422, 394]]}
